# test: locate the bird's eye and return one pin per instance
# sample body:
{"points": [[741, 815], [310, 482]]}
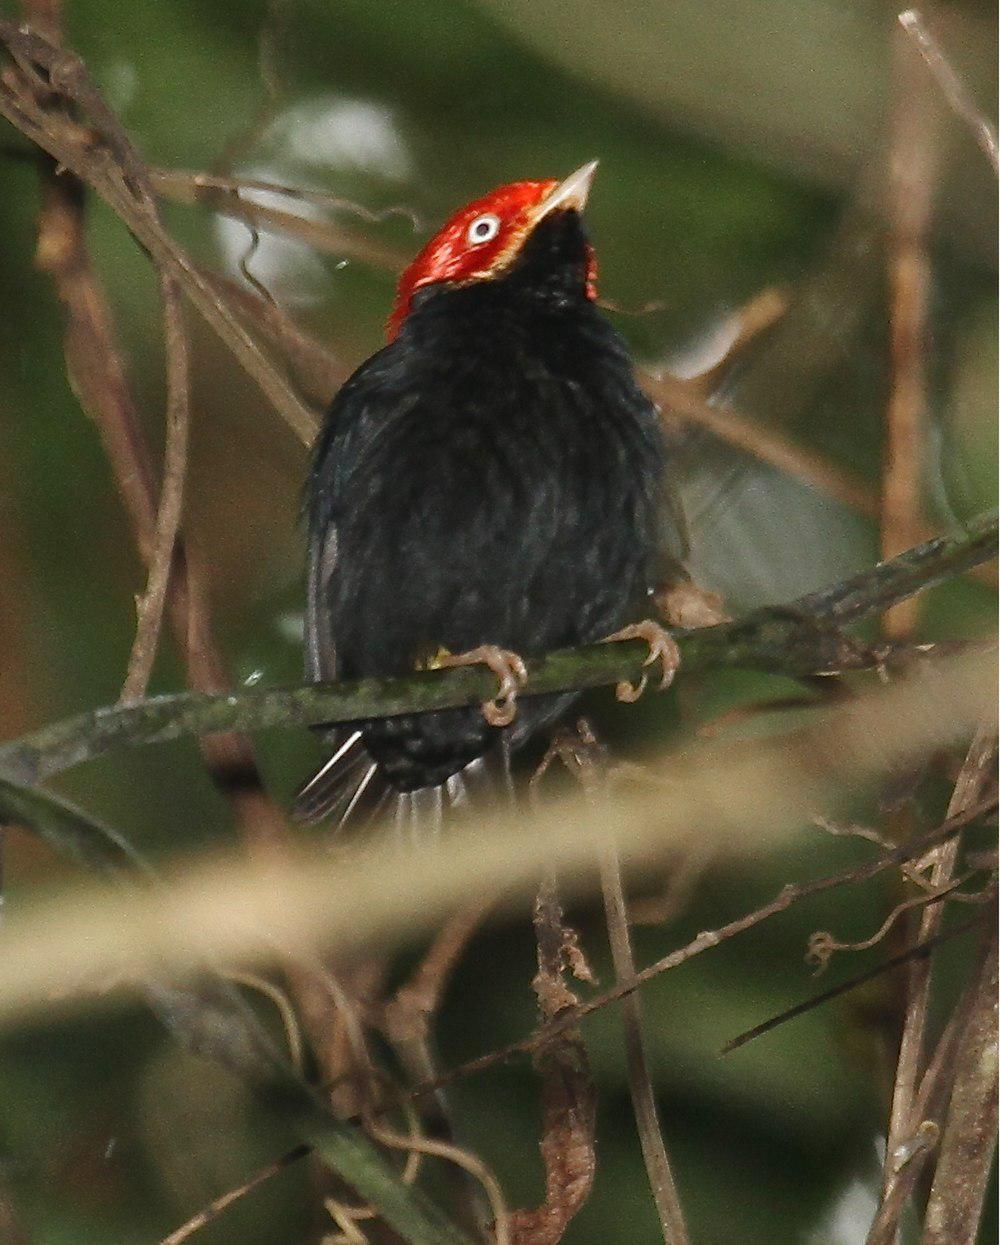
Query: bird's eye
{"points": [[483, 229]]}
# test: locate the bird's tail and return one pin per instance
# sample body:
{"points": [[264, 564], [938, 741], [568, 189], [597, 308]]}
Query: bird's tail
{"points": [[351, 792]]}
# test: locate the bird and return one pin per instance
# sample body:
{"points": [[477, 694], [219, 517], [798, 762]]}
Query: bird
{"points": [[489, 485]]}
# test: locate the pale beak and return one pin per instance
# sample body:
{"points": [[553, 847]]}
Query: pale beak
{"points": [[570, 194]]}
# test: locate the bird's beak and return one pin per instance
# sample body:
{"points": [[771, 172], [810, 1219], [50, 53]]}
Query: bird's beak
{"points": [[570, 194]]}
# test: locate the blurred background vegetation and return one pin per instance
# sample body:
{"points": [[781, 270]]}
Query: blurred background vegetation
{"points": [[744, 146]]}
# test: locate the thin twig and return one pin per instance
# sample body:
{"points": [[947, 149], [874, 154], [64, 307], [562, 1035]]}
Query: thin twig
{"points": [[406, 1021], [966, 794], [220, 1205], [911, 166], [111, 166], [462, 1158], [915, 954], [232, 197], [790, 894], [822, 944], [654, 1152], [591, 766], [150, 605], [314, 368], [34, 98], [184, 186], [62, 252], [929, 1108], [425, 988], [969, 1136]]}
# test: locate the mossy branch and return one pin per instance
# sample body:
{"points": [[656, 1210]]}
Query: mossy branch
{"points": [[800, 639]]}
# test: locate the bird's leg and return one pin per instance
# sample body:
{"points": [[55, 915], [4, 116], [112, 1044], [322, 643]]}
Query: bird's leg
{"points": [[661, 648], [684, 604], [507, 666]]}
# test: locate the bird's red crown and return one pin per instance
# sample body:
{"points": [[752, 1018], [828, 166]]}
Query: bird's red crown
{"points": [[481, 239]]}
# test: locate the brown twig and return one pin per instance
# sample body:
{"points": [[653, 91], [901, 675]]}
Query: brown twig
{"points": [[823, 946], [941, 858], [186, 187], [220, 1205], [230, 197], [746, 325], [682, 877], [423, 993], [150, 605], [468, 1162], [911, 164], [654, 1151], [97, 370], [406, 1022], [45, 86], [909, 207], [315, 370], [929, 1108], [62, 252], [591, 766], [969, 1135]]}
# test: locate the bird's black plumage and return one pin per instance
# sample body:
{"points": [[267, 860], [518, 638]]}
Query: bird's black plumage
{"points": [[493, 476]]}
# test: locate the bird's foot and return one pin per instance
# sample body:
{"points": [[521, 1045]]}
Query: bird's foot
{"points": [[662, 649], [511, 675]]}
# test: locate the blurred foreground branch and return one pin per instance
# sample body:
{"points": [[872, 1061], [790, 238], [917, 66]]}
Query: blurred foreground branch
{"points": [[790, 894], [800, 640], [240, 911]]}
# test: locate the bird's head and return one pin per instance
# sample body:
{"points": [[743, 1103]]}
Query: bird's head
{"points": [[482, 240]]}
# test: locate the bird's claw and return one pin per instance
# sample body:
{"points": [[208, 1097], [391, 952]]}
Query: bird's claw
{"points": [[662, 649], [511, 674]]}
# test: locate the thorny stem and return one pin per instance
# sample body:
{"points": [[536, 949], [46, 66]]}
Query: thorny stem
{"points": [[797, 640]]}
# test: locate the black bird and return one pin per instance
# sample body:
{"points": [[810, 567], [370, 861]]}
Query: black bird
{"points": [[490, 484]]}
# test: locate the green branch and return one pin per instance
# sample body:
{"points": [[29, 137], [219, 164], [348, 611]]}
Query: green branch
{"points": [[798, 640]]}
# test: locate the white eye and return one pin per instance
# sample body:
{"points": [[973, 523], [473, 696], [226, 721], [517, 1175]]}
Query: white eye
{"points": [[483, 229]]}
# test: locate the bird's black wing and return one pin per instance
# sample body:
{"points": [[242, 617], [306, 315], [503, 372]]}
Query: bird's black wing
{"points": [[353, 418]]}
